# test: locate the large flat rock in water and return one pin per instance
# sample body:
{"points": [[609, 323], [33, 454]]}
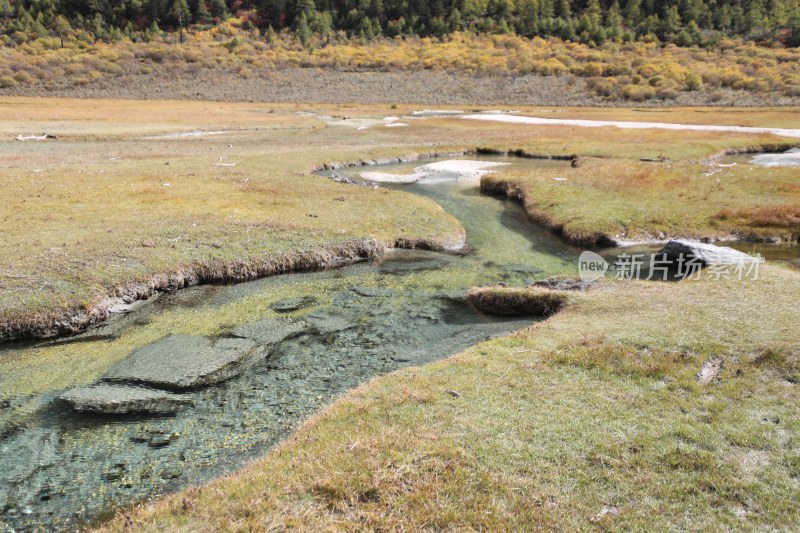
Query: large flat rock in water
{"points": [[183, 362], [123, 399], [707, 254]]}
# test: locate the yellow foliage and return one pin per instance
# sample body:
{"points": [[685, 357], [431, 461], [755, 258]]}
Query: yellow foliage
{"points": [[637, 67]]}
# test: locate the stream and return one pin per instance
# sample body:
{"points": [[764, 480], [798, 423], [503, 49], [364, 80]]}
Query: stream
{"points": [[61, 469]]}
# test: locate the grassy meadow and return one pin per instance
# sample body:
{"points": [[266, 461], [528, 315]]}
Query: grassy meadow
{"points": [[633, 201], [592, 419], [118, 198]]}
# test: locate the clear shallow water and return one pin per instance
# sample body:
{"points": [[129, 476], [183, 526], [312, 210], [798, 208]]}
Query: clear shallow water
{"points": [[59, 469]]}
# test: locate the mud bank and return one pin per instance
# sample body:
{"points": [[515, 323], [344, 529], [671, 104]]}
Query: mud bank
{"points": [[75, 320]]}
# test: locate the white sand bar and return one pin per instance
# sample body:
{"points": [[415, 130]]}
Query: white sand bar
{"points": [[463, 170], [182, 134], [435, 112], [518, 119], [786, 159]]}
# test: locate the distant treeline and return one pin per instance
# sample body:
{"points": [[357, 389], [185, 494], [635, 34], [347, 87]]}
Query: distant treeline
{"points": [[682, 22]]}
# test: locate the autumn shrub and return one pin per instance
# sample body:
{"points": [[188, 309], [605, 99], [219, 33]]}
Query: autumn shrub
{"points": [[693, 81], [634, 70], [604, 86], [638, 93], [782, 216], [23, 78]]}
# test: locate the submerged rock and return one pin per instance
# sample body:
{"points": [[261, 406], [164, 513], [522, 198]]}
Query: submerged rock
{"points": [[705, 254], [183, 362], [327, 324], [523, 269], [270, 330], [372, 292], [402, 262], [123, 399], [293, 304]]}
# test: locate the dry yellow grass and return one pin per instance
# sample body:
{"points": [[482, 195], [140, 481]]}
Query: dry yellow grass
{"points": [[106, 204]]}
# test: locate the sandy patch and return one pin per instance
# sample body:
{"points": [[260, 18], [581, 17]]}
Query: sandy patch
{"points": [[518, 119], [459, 170], [436, 112], [182, 134]]}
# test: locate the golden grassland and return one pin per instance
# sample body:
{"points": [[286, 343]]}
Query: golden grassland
{"points": [[591, 420], [110, 203], [630, 72]]}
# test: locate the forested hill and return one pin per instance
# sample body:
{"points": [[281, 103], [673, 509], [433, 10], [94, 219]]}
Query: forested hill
{"points": [[683, 22]]}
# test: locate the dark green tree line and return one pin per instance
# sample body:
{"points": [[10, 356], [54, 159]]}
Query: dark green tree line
{"points": [[684, 22]]}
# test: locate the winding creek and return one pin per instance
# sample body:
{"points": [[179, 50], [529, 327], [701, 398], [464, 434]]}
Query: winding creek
{"points": [[60, 469]]}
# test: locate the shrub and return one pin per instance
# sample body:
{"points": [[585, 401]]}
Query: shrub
{"points": [[24, 78], [693, 81], [638, 93], [604, 86]]}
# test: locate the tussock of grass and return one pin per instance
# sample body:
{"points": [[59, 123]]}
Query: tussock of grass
{"points": [[531, 301], [597, 353]]}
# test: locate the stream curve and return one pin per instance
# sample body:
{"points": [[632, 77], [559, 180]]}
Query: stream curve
{"points": [[61, 468]]}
